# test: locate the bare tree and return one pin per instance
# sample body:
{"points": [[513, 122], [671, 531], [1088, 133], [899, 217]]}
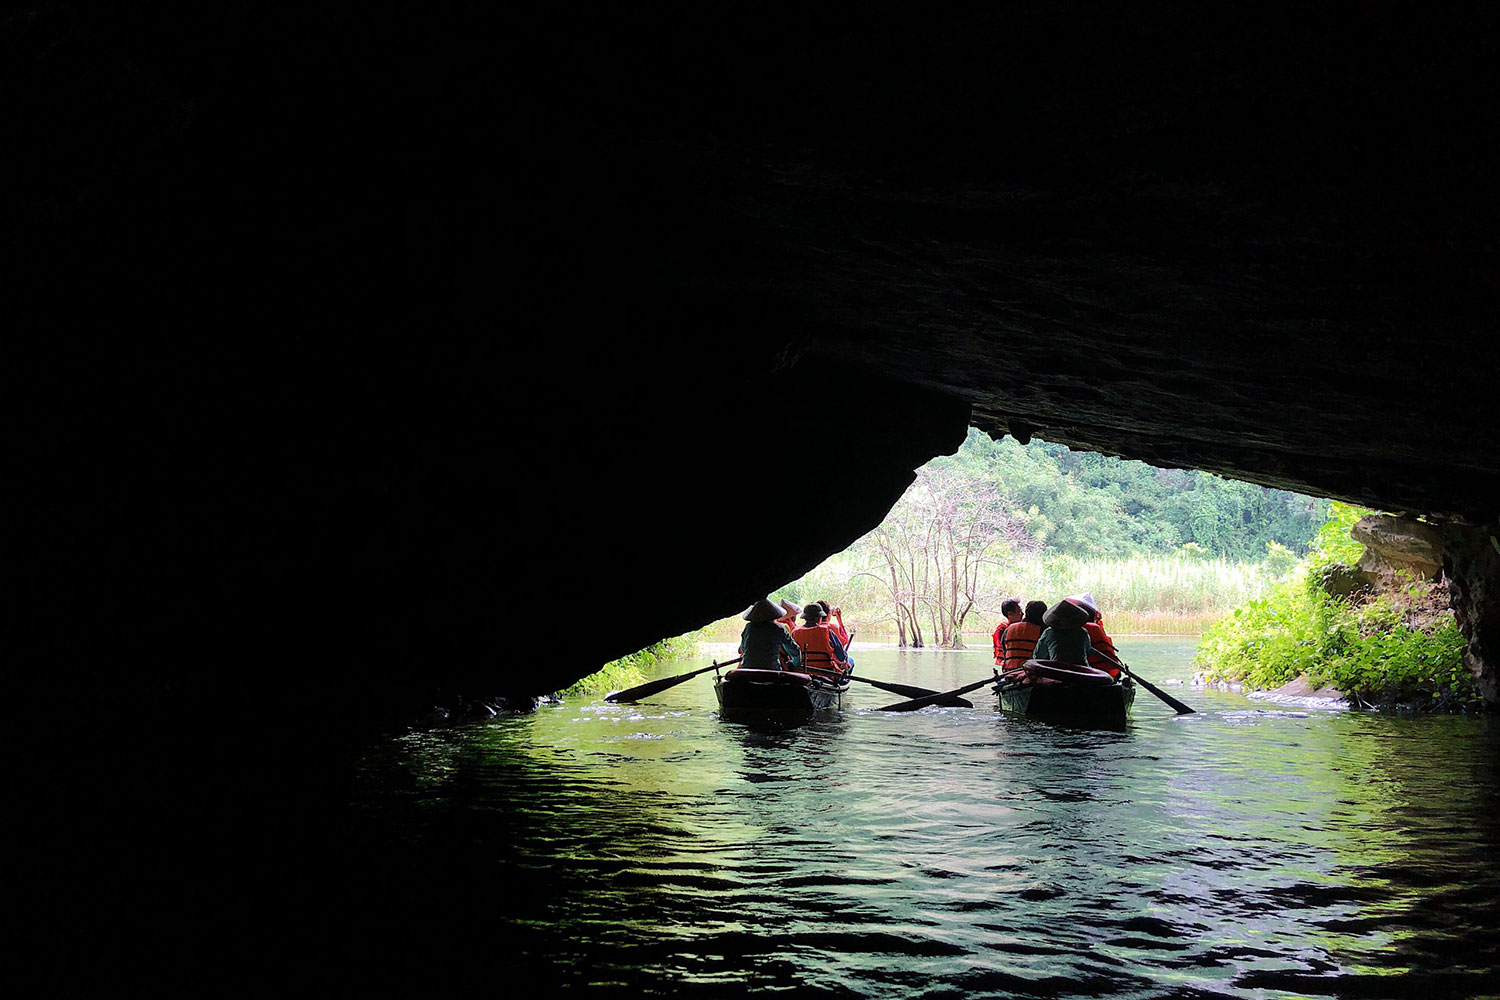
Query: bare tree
{"points": [[929, 552]]}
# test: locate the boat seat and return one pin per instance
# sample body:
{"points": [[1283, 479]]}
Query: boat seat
{"points": [[820, 664]]}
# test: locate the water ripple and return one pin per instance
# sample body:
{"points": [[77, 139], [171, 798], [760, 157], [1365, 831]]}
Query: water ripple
{"points": [[1244, 851]]}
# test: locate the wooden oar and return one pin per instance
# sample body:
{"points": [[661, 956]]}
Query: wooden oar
{"points": [[933, 699], [653, 687], [909, 690], [1180, 708]]}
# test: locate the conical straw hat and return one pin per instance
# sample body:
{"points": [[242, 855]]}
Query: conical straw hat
{"points": [[764, 610], [1087, 600], [1065, 614]]}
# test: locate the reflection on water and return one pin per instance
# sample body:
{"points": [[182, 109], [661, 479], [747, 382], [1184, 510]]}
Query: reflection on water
{"points": [[1244, 851]]}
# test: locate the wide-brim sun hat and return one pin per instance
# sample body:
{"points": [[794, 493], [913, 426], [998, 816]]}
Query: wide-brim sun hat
{"points": [[790, 609], [1087, 600], [1065, 614], [764, 610]]}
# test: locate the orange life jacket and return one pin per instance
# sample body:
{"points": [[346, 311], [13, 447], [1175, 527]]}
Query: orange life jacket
{"points": [[817, 649], [1102, 646], [1017, 643], [999, 654]]}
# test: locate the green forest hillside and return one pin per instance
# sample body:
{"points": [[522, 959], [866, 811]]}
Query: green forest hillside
{"points": [[1087, 505]]}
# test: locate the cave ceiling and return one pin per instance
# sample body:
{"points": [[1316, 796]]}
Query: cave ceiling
{"points": [[1262, 246], [326, 303]]}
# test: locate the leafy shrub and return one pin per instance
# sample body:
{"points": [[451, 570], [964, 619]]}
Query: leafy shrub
{"points": [[629, 671], [1271, 640], [1394, 663], [1280, 560], [1398, 648], [1334, 541]]}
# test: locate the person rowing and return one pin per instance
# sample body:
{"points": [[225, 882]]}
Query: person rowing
{"points": [[1064, 638], [1102, 654], [764, 643]]}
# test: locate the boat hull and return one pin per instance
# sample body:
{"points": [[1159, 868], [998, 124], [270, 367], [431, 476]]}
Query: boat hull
{"points": [[777, 692], [1094, 705]]}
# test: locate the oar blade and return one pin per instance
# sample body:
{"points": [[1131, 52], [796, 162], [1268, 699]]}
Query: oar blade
{"points": [[909, 690], [939, 698], [912, 691], [643, 691], [909, 706], [1181, 708], [1177, 706], [1173, 703], [655, 687]]}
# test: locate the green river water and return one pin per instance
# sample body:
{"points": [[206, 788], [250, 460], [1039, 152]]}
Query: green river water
{"points": [[1252, 849]]}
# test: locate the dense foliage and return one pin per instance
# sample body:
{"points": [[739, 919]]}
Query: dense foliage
{"points": [[1396, 648], [631, 670], [1087, 505]]}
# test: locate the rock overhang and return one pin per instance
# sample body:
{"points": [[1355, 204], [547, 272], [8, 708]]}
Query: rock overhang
{"points": [[484, 327]]}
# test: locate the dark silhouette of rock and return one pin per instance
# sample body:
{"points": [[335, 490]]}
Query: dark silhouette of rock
{"points": [[1343, 581]]}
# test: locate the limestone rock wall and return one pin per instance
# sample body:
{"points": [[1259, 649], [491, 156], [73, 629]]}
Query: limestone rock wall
{"points": [[1397, 546], [1472, 562]]}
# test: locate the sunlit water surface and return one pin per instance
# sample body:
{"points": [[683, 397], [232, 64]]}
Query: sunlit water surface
{"points": [[1248, 850]]}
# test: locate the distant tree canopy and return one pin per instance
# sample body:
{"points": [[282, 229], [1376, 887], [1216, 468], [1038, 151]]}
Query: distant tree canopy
{"points": [[1088, 505], [998, 519]]}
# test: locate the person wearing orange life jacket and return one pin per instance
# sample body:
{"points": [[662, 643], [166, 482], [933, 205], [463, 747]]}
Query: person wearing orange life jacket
{"points": [[764, 644], [788, 621], [834, 617], [1018, 641], [821, 648], [1011, 609], [1103, 654]]}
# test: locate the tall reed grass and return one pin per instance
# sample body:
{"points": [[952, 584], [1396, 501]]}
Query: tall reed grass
{"points": [[1141, 585], [1140, 595]]}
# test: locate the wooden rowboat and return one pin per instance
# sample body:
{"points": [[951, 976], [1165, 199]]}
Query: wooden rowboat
{"points": [[745, 691], [1064, 692]]}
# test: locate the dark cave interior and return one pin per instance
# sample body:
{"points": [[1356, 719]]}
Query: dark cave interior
{"points": [[340, 341]]}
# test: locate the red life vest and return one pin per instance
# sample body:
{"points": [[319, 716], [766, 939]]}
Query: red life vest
{"points": [[1102, 646], [999, 654], [1017, 644], [817, 649]]}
